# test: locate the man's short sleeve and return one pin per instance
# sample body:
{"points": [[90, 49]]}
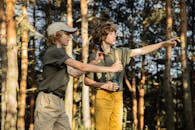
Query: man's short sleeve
{"points": [[125, 55], [55, 57]]}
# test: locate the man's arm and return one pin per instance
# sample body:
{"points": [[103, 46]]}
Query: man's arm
{"points": [[150, 48], [110, 86]]}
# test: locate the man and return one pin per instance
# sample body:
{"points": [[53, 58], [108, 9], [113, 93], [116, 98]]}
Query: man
{"points": [[109, 104]]}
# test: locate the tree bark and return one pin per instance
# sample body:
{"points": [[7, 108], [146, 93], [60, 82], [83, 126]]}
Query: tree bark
{"points": [[167, 84], [12, 70], [141, 106], [33, 86], [4, 64], [132, 89], [141, 97], [134, 103], [24, 70], [75, 85], [85, 48], [186, 82], [69, 90]]}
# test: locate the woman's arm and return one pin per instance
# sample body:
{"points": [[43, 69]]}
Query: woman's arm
{"points": [[74, 72], [150, 48]]}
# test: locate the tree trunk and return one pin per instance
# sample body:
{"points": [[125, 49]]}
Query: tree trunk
{"points": [[132, 89], [134, 103], [32, 75], [92, 110], [93, 90], [75, 86], [85, 47], [12, 70], [167, 84], [158, 118], [186, 82], [193, 52], [74, 110], [142, 82], [131, 24], [47, 13], [141, 97], [69, 90], [24, 70], [4, 64]]}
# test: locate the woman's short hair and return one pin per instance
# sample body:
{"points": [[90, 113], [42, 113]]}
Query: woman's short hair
{"points": [[51, 40]]}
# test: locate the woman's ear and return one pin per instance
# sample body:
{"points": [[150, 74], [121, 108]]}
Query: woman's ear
{"points": [[103, 38]]}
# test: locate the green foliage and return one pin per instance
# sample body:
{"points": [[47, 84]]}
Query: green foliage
{"points": [[154, 17]]}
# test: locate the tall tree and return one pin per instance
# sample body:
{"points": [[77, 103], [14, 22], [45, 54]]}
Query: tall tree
{"points": [[74, 110], [24, 71], [143, 80], [141, 96], [75, 86], [167, 77], [186, 82], [12, 70], [4, 62], [32, 74], [85, 48], [47, 13], [132, 87], [69, 90], [93, 91]]}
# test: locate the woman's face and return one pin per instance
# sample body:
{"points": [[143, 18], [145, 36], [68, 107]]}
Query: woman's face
{"points": [[111, 38], [64, 39]]}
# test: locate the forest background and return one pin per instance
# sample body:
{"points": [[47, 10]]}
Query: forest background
{"points": [[159, 87]]}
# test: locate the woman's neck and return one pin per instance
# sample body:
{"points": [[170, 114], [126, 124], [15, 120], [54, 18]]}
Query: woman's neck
{"points": [[105, 47]]}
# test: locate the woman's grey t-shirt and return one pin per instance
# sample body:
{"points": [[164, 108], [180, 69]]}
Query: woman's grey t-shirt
{"points": [[54, 70]]}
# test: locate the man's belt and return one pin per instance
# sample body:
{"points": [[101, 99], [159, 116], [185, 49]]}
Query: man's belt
{"points": [[60, 94]]}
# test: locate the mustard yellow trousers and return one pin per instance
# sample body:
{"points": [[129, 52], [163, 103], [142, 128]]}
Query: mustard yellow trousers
{"points": [[108, 110]]}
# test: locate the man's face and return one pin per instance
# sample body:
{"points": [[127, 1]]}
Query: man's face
{"points": [[111, 38]]}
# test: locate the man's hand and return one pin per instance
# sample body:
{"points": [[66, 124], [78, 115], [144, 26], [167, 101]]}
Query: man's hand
{"points": [[110, 86], [171, 42]]}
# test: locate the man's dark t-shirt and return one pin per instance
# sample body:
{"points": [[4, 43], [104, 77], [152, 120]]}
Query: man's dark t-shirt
{"points": [[54, 70]]}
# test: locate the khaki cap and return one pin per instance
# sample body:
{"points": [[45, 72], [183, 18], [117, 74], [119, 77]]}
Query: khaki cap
{"points": [[59, 26]]}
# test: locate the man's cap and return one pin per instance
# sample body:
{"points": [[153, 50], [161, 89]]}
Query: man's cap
{"points": [[59, 26]]}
